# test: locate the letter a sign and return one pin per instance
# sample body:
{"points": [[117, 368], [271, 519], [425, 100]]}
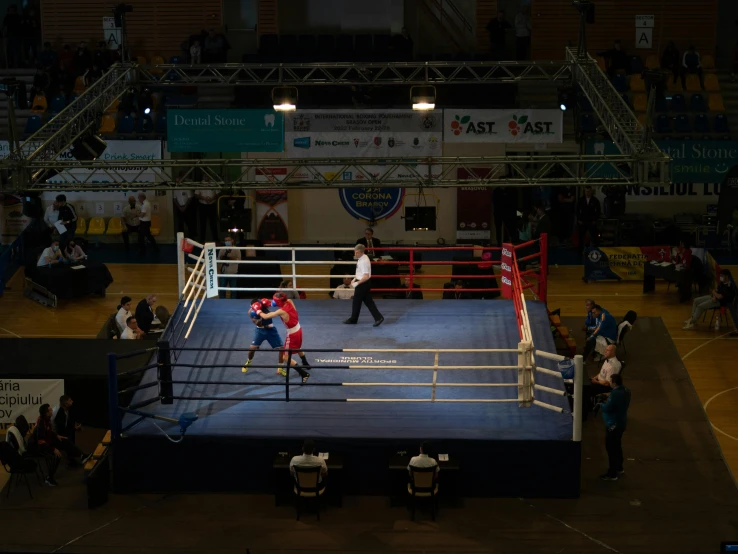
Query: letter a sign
{"points": [[644, 31]]}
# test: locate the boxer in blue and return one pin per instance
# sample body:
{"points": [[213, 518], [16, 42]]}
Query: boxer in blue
{"points": [[265, 331]]}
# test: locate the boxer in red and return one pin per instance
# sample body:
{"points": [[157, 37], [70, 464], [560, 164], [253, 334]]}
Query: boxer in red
{"points": [[293, 342]]}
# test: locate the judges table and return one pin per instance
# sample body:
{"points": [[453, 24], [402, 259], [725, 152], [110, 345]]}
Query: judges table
{"points": [[63, 280], [283, 483], [668, 272], [448, 479]]}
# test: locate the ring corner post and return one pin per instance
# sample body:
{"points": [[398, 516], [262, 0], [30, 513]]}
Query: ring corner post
{"points": [[525, 379], [164, 369], [578, 384], [113, 413], [543, 290], [181, 280]]}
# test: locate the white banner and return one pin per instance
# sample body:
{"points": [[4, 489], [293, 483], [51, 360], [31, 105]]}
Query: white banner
{"points": [[25, 396], [503, 126], [352, 174], [211, 270], [363, 133]]}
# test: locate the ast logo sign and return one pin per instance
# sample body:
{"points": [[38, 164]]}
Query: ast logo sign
{"points": [[503, 126]]}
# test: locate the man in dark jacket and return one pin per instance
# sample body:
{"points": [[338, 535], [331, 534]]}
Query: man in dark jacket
{"points": [[65, 422], [68, 218], [145, 313], [615, 415], [588, 212], [410, 293]]}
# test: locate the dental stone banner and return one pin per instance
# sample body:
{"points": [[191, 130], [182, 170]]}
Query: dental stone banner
{"points": [[225, 131], [363, 133]]}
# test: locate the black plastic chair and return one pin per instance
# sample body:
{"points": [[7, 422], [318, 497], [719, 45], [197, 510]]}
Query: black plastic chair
{"points": [[423, 485], [17, 467], [308, 487]]}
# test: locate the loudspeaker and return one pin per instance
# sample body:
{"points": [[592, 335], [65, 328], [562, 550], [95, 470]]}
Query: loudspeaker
{"points": [[32, 206], [420, 218], [88, 148]]}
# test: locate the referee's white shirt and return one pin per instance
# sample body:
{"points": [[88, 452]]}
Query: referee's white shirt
{"points": [[363, 267], [423, 460], [145, 211]]}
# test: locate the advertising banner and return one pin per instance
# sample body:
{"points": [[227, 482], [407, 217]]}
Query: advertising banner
{"points": [[622, 263], [372, 204], [25, 396], [697, 170], [211, 270], [363, 133], [409, 173], [473, 214], [12, 220], [503, 126], [506, 270], [271, 216], [225, 131]]}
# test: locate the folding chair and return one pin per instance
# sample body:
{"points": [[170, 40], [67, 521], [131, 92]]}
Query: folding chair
{"points": [[17, 467], [308, 487], [423, 486]]}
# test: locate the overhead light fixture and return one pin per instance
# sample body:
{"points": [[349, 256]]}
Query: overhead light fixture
{"points": [[423, 97], [567, 98], [147, 111], [284, 99], [88, 147]]}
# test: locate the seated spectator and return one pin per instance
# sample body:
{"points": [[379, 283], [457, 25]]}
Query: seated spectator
{"points": [[131, 332], [370, 241], [124, 312], [288, 288], [308, 459], [145, 313], [19, 435], [344, 291], [682, 255], [723, 296], [66, 60], [617, 59], [605, 333], [543, 222], [48, 58], [214, 51], [195, 52], [74, 252], [410, 293], [423, 459], [41, 80], [50, 444], [670, 60], [51, 255], [65, 420], [130, 219], [456, 293], [692, 64], [590, 323], [226, 279]]}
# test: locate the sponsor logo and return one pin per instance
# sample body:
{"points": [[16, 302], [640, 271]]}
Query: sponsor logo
{"points": [[332, 143], [377, 141], [506, 267], [391, 142], [356, 143], [506, 281], [594, 256], [521, 126], [428, 122], [348, 175], [211, 269], [506, 253], [301, 123], [269, 120], [462, 225], [464, 124], [416, 141], [302, 142]]}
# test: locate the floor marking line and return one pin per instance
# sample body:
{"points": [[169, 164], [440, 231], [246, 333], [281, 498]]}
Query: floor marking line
{"points": [[10, 332], [704, 344], [706, 404]]}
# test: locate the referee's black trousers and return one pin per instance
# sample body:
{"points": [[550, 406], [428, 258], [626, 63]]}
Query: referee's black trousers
{"points": [[363, 293]]}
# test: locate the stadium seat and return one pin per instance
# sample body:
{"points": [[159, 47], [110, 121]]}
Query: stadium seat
{"points": [[693, 83], [682, 125], [620, 83], [637, 84], [79, 85], [720, 124], [652, 61], [674, 86], [382, 47], [678, 103], [364, 47], [96, 227], [113, 108], [115, 226], [587, 123], [155, 225], [33, 124], [715, 103], [635, 65], [601, 63], [160, 128], [307, 47], [269, 46], [697, 103], [156, 60], [701, 123], [126, 124], [640, 102], [107, 124], [708, 63], [663, 124], [144, 124], [81, 226], [58, 103], [288, 49], [711, 83], [39, 104], [175, 60], [141, 60]]}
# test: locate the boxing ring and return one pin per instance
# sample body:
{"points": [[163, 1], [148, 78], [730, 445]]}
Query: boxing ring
{"points": [[477, 377]]}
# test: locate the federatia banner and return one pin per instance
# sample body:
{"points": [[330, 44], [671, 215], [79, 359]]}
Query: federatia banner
{"points": [[503, 126], [363, 133], [25, 396], [271, 216], [622, 263]]}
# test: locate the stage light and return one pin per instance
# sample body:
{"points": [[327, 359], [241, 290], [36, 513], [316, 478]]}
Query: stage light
{"points": [[147, 111], [563, 107], [423, 97], [567, 98], [284, 99]]}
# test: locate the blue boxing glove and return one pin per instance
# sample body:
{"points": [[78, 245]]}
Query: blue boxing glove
{"points": [[254, 315]]}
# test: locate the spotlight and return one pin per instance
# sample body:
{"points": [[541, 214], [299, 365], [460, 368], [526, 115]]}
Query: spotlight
{"points": [[567, 98], [147, 111], [423, 97], [284, 99], [563, 107]]}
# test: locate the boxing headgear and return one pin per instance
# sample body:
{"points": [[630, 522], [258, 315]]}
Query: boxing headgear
{"points": [[279, 300]]}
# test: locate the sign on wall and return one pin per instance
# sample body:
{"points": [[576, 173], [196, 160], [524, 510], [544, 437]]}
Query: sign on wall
{"points": [[372, 204], [225, 131], [503, 126], [25, 396], [473, 213], [363, 133], [622, 263], [271, 216]]}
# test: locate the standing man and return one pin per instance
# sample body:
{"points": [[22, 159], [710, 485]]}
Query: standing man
{"points": [[293, 342], [51, 217], [184, 212], [130, 219], [226, 271], [588, 212], [497, 28], [363, 288], [264, 331], [522, 33], [207, 206], [144, 225], [68, 218], [615, 415]]}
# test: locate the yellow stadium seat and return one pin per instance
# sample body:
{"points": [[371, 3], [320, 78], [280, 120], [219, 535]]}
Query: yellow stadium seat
{"points": [[155, 225], [81, 226], [708, 63], [652, 62], [693, 83], [715, 103], [157, 60], [107, 125], [115, 226], [113, 108], [141, 60], [39, 105], [96, 227], [640, 102], [711, 83], [637, 84], [672, 86], [602, 63], [79, 85]]}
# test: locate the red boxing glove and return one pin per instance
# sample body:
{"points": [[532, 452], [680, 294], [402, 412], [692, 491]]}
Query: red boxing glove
{"points": [[266, 302], [256, 307]]}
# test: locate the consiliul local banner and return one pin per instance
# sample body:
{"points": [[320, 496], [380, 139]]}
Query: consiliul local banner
{"points": [[503, 126]]}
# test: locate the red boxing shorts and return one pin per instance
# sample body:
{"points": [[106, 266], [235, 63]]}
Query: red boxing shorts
{"points": [[293, 341]]}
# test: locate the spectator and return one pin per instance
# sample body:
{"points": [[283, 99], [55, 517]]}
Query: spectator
{"points": [[41, 81], [83, 59], [101, 56], [567, 212], [65, 420], [615, 416], [288, 288], [51, 255], [31, 35], [227, 270], [68, 218], [454, 291], [723, 296], [308, 459], [423, 459], [52, 216], [94, 74], [50, 444], [617, 59], [145, 313], [403, 46], [74, 252], [195, 52], [610, 366], [523, 28], [543, 223], [588, 212], [214, 47], [49, 58], [410, 293], [527, 228], [504, 204], [370, 242], [496, 29], [130, 219], [604, 334], [344, 291], [691, 64], [670, 60], [683, 255], [185, 213], [590, 323], [67, 59], [19, 435], [132, 331], [13, 32], [208, 208], [144, 225], [124, 312]]}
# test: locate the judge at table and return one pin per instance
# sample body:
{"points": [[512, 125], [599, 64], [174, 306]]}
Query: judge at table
{"points": [[369, 241], [74, 252], [51, 255]]}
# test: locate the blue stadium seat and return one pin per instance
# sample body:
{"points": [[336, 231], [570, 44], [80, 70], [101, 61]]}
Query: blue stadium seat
{"points": [[697, 103], [720, 124], [587, 123], [682, 124], [636, 65], [33, 124], [678, 103], [161, 125], [701, 124], [175, 60], [126, 124], [620, 83], [58, 103], [144, 124], [663, 124]]}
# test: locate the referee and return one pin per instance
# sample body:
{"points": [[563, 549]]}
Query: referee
{"points": [[363, 288]]}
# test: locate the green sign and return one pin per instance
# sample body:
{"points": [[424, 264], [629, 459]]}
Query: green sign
{"points": [[693, 161], [225, 131]]}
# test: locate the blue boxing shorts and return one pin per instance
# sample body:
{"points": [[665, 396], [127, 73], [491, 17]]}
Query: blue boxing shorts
{"points": [[269, 334]]}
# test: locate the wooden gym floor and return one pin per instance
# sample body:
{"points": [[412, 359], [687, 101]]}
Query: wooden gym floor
{"points": [[709, 356]]}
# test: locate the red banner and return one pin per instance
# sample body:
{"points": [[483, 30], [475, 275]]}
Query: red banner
{"points": [[473, 209], [506, 270]]}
